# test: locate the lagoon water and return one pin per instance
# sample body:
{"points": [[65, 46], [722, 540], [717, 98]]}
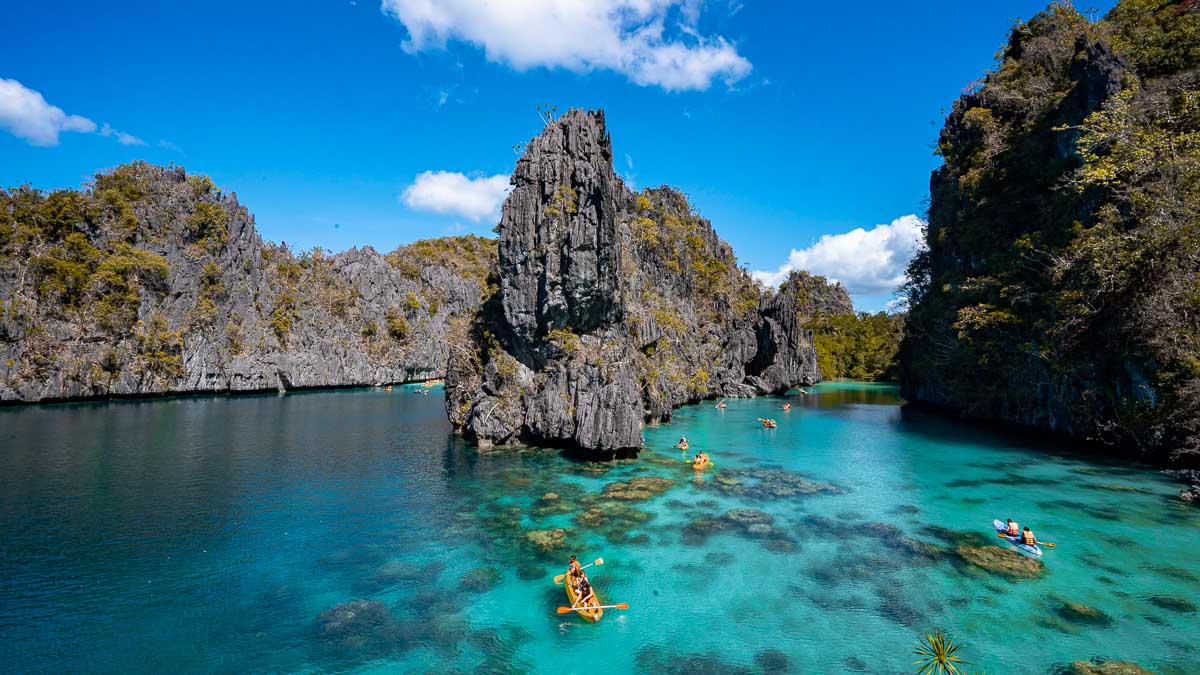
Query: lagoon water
{"points": [[216, 534]]}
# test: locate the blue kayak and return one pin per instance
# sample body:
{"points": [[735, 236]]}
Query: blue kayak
{"points": [[1035, 551]]}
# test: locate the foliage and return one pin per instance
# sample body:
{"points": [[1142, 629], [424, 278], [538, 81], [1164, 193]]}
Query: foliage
{"points": [[566, 340], [208, 226], [468, 255], [284, 314], [210, 291], [938, 655], [397, 325], [118, 281], [564, 202], [858, 346], [1160, 37], [1045, 286], [159, 351]]}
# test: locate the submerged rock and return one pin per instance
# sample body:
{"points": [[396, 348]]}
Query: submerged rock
{"points": [[749, 523], [358, 625], [1103, 667], [772, 661], [480, 579], [1179, 605], [530, 572], [1001, 561], [612, 515], [1082, 614], [548, 540], [639, 488], [550, 504], [765, 484]]}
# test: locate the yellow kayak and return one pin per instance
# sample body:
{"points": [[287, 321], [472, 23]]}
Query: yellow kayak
{"points": [[592, 615], [702, 465]]}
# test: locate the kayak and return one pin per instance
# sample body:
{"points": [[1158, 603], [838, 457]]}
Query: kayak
{"points": [[683, 447], [1035, 551], [592, 615], [703, 465]]}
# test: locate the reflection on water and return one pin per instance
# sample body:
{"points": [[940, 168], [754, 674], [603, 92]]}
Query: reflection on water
{"points": [[350, 530]]}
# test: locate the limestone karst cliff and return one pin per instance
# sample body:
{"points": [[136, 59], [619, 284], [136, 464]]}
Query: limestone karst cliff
{"points": [[610, 308], [154, 281], [1059, 289]]}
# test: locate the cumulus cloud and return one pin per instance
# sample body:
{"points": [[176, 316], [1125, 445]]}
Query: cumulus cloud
{"points": [[627, 36], [868, 262], [25, 114], [454, 193]]}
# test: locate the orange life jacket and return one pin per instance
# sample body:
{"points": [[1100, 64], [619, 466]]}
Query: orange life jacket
{"points": [[1014, 530], [1028, 539]]}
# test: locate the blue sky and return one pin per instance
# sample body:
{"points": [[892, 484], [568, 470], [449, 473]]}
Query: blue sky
{"points": [[782, 123]]}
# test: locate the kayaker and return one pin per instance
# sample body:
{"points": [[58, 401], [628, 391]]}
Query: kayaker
{"points": [[583, 593], [683, 443], [1013, 530], [721, 404], [787, 406], [700, 458], [1027, 537], [574, 569]]}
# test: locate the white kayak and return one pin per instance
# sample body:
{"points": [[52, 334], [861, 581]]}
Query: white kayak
{"points": [[1035, 550]]}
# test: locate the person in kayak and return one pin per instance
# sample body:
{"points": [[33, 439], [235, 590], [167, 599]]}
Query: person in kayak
{"points": [[574, 569], [683, 443], [1013, 530], [583, 592], [721, 404], [787, 406], [700, 459], [1027, 537]]}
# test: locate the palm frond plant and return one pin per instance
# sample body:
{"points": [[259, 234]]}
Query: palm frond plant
{"points": [[939, 655]]}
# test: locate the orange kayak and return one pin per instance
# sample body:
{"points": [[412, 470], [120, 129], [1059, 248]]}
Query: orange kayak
{"points": [[592, 615]]}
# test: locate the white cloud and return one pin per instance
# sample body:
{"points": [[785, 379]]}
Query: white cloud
{"points": [[25, 114], [868, 262], [626, 36], [122, 137], [454, 193]]}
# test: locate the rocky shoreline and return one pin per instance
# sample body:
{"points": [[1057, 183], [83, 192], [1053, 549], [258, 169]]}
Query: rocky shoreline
{"points": [[154, 282]]}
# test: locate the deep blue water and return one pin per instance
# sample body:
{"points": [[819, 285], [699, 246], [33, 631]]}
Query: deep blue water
{"points": [[229, 534]]}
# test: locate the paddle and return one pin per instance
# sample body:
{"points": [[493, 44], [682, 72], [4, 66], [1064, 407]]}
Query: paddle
{"points": [[1048, 544], [558, 579], [565, 610]]}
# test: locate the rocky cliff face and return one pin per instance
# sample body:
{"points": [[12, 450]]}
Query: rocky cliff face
{"points": [[611, 308], [156, 282], [785, 353], [1047, 296]]}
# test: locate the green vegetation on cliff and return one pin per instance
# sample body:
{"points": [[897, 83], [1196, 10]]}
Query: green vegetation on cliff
{"points": [[150, 280], [1061, 285], [858, 346]]}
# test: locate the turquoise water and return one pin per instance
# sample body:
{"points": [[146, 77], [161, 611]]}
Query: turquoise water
{"points": [[216, 534]]}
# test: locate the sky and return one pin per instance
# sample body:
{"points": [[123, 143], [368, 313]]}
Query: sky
{"points": [[804, 134]]}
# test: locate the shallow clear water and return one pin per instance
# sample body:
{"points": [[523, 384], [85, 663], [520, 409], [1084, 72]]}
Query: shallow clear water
{"points": [[215, 534]]}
